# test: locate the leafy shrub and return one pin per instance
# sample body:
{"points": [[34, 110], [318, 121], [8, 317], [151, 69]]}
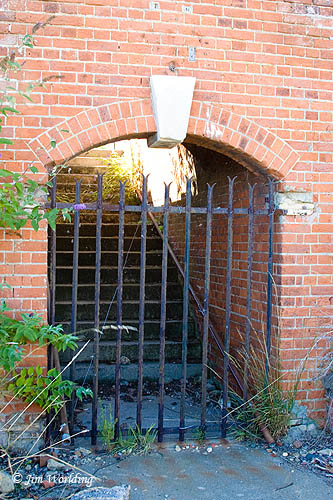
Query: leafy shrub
{"points": [[31, 384]]}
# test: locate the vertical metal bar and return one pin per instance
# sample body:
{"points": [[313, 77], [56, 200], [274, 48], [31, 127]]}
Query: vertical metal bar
{"points": [[185, 307], [53, 257], [269, 274], [52, 296], [248, 291], [119, 305], [206, 307], [163, 312], [74, 292], [227, 310], [99, 215], [144, 207]]}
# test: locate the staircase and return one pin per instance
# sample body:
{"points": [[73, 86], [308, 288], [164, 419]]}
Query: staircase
{"points": [[86, 167]]}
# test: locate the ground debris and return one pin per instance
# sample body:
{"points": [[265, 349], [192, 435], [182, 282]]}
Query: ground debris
{"points": [[115, 493]]}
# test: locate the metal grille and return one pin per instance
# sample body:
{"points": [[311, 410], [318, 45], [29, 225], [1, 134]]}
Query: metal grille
{"points": [[208, 333]]}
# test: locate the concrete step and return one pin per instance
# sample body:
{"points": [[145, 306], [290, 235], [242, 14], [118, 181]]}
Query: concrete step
{"points": [[108, 230], [110, 244], [86, 292], [129, 373], [89, 217], [153, 258], [109, 275], [86, 177], [151, 352], [85, 329], [85, 310]]}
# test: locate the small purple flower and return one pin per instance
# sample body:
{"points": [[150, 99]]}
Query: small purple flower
{"points": [[79, 206]]}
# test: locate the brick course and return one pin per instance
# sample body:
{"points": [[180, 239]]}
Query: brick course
{"points": [[263, 96]]}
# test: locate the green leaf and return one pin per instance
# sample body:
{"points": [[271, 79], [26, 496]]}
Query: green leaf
{"points": [[53, 143], [34, 170], [8, 109], [5, 173], [3, 140], [26, 96], [35, 225], [28, 41], [14, 65], [64, 130]]}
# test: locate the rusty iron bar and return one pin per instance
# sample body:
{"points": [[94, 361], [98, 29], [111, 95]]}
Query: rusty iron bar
{"points": [[173, 209], [224, 413], [206, 307], [209, 211], [51, 296], [263, 429], [185, 307], [248, 291], [144, 209], [194, 295], [75, 273], [99, 216], [163, 312], [119, 306], [53, 258], [269, 276]]}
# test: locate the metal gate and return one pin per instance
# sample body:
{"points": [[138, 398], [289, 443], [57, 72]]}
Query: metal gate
{"points": [[208, 334]]}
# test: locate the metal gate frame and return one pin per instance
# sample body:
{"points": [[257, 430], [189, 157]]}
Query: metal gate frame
{"points": [[148, 210]]}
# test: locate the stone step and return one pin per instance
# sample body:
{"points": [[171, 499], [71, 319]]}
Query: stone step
{"points": [[153, 258], [151, 352], [129, 373], [173, 328], [87, 176], [89, 217], [108, 230], [110, 244], [109, 275], [85, 310], [86, 291], [91, 158]]}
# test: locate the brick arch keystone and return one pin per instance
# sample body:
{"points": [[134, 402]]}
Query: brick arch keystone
{"points": [[210, 126]]}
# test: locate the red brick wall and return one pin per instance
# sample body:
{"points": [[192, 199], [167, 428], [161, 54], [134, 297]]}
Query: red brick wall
{"points": [[217, 169], [263, 96]]}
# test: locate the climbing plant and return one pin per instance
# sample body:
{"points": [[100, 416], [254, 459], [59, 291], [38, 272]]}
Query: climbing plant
{"points": [[22, 195]]}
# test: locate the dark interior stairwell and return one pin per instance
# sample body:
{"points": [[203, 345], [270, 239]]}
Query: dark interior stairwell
{"points": [[85, 168]]}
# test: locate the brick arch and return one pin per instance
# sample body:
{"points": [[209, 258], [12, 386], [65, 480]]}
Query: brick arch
{"points": [[210, 126]]}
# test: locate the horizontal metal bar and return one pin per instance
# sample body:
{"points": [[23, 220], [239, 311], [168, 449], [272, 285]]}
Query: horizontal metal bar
{"points": [[160, 210], [210, 427]]}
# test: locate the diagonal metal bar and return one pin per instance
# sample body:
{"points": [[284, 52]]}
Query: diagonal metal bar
{"points": [[195, 298]]}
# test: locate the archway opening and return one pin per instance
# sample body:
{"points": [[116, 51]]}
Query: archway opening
{"points": [[229, 305]]}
